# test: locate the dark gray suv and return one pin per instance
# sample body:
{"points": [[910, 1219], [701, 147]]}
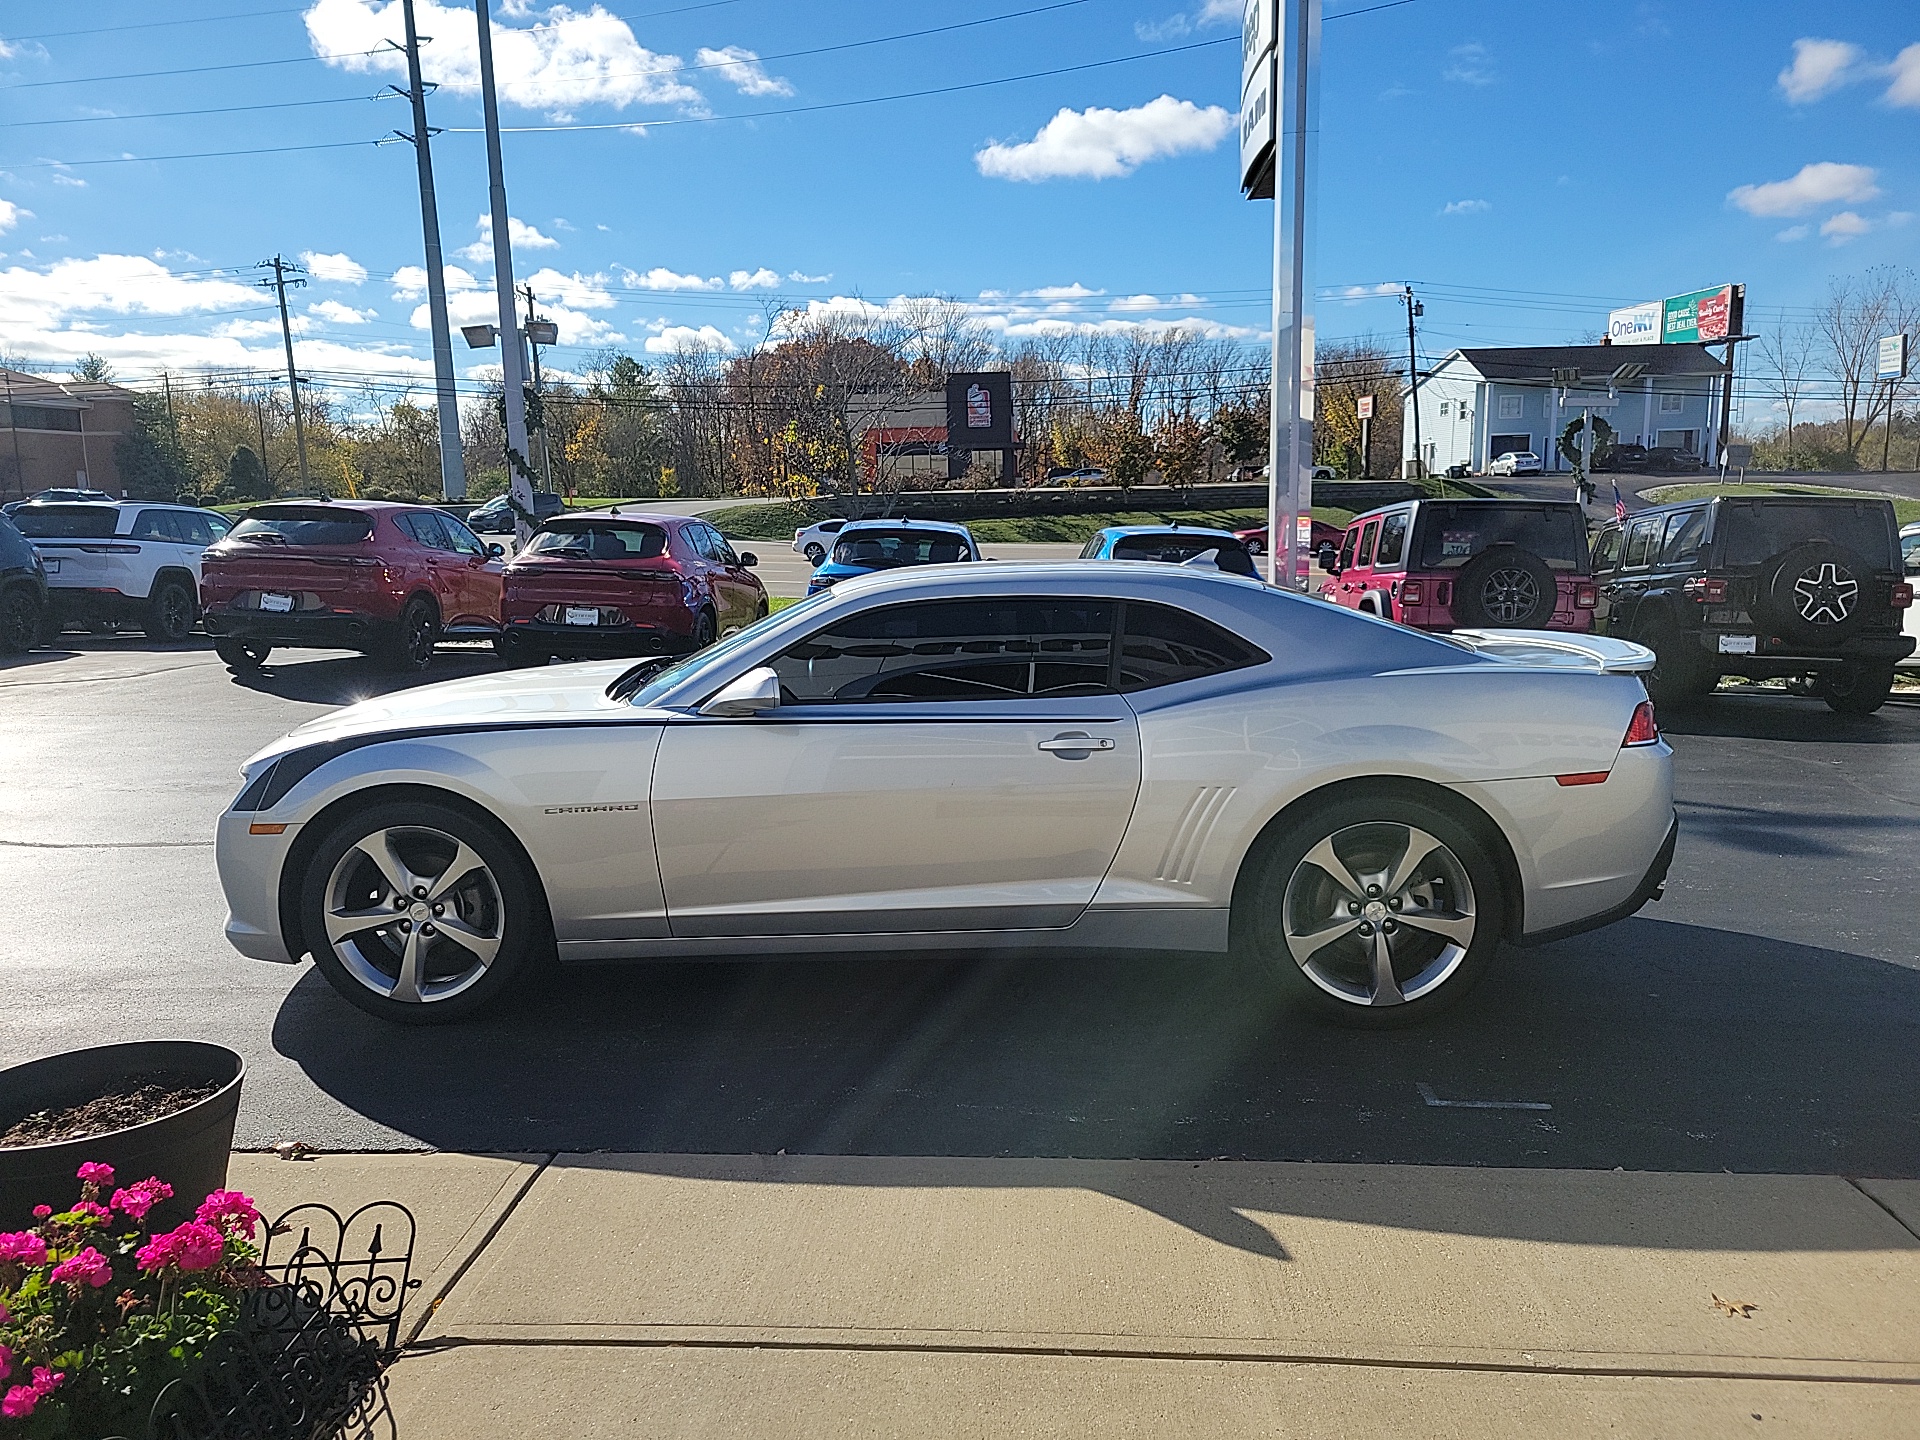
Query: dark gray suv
{"points": [[23, 591]]}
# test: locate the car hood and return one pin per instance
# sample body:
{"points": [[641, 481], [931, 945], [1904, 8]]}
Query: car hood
{"points": [[553, 692]]}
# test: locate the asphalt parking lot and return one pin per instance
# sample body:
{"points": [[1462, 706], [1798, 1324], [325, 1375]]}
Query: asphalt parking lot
{"points": [[1764, 1017]]}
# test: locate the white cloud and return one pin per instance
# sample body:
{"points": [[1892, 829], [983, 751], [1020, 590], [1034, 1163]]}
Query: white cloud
{"points": [[1015, 320], [800, 277], [1471, 65], [569, 59], [1793, 233], [1821, 183], [761, 279], [339, 269], [1845, 226], [1130, 303], [1368, 292], [1465, 207], [675, 337], [11, 215], [575, 291], [1818, 67], [661, 278], [335, 313], [742, 69], [520, 235], [410, 281], [258, 329], [1905, 74], [1075, 291], [1185, 22], [1099, 144]]}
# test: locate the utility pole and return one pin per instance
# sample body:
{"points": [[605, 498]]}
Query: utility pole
{"points": [[260, 419], [512, 374], [281, 270], [540, 332], [453, 472], [1414, 308]]}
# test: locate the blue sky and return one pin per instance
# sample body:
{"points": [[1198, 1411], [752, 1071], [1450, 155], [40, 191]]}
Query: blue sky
{"points": [[1526, 166]]}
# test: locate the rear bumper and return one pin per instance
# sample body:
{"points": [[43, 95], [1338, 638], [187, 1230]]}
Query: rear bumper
{"points": [[1652, 885], [1880, 649], [317, 630], [609, 641]]}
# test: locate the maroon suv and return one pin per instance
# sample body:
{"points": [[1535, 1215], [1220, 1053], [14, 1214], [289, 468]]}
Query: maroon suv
{"points": [[1475, 564], [605, 584], [389, 580]]}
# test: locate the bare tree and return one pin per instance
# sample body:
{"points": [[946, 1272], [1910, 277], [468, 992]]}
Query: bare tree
{"points": [[1850, 323], [1786, 357]]}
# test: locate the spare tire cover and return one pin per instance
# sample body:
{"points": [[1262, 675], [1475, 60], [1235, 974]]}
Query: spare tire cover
{"points": [[1814, 593], [1505, 588]]}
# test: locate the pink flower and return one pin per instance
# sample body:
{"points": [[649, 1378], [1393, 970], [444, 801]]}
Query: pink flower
{"points": [[94, 1173], [42, 1212], [22, 1247], [141, 1196], [231, 1211], [18, 1402], [89, 1267], [6, 1360], [187, 1248], [91, 1208]]}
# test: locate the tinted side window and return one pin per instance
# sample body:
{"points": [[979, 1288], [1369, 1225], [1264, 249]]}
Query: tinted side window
{"points": [[998, 649], [462, 538], [1684, 534], [1606, 550], [1365, 554], [719, 550], [195, 528], [1641, 540], [1346, 548], [151, 525], [1091, 550], [1392, 549], [1162, 646], [426, 528]]}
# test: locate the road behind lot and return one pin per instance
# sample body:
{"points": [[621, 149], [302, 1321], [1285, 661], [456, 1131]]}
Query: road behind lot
{"points": [[1765, 1017]]}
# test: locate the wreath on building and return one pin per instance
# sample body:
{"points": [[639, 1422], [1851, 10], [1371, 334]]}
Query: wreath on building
{"points": [[1570, 439]]}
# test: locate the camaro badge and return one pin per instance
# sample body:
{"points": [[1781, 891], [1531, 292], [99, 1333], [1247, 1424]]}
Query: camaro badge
{"points": [[588, 809]]}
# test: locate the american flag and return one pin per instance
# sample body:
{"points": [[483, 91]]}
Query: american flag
{"points": [[1619, 505]]}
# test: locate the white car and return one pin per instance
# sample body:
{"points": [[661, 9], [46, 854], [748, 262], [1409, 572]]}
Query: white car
{"points": [[112, 565], [1078, 755], [816, 540], [1910, 563], [1515, 462]]}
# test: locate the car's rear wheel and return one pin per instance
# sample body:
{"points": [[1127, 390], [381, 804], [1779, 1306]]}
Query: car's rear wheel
{"points": [[815, 553], [1374, 911], [409, 649], [419, 913], [1681, 673], [170, 612], [705, 630], [20, 620], [240, 655], [1856, 689]]}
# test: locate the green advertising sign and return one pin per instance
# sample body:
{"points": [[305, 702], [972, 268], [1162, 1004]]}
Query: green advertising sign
{"points": [[1705, 317]]}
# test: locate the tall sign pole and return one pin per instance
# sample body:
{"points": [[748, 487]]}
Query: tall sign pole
{"points": [[453, 473], [513, 372], [1279, 144]]}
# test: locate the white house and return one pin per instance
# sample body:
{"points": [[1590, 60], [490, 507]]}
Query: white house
{"points": [[1476, 405]]}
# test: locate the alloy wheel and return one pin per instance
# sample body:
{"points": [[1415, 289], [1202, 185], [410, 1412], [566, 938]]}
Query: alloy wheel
{"points": [[175, 613], [1509, 595], [19, 621], [414, 914], [1379, 914]]}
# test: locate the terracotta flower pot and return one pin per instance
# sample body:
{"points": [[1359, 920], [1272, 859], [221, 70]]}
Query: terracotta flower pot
{"points": [[188, 1149]]}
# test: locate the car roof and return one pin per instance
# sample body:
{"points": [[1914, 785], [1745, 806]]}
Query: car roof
{"points": [[609, 517], [1122, 532], [947, 527]]}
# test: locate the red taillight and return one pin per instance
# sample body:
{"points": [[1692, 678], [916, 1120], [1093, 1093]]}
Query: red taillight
{"points": [[1412, 592], [1707, 590], [1902, 596], [111, 549], [1642, 729], [1585, 598], [1585, 777]]}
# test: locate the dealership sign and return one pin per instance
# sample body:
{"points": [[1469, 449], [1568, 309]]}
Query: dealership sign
{"points": [[1259, 32], [1892, 358], [1635, 325], [1704, 317]]}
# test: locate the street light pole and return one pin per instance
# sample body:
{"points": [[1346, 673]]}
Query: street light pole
{"points": [[1414, 308], [533, 349], [513, 374]]}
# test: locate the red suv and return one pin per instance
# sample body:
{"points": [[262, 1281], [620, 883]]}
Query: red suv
{"points": [[389, 580], [1477, 564], [603, 583]]}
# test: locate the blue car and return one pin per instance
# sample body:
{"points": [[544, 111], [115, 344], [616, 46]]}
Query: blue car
{"points": [[864, 546], [1172, 545]]}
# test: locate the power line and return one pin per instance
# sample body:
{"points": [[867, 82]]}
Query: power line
{"points": [[189, 70], [175, 114], [190, 155]]}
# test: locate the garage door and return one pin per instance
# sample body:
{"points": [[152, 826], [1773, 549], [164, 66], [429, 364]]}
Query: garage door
{"points": [[1508, 445]]}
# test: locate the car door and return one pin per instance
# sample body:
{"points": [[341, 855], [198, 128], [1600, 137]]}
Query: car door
{"points": [[935, 766], [1606, 559], [1356, 578], [478, 576], [733, 582], [1629, 585]]}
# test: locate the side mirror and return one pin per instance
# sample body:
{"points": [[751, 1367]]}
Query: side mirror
{"points": [[749, 559], [751, 693], [1328, 563], [496, 550]]}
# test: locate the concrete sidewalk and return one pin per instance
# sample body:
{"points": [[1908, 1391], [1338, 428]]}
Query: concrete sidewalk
{"points": [[592, 1295]]}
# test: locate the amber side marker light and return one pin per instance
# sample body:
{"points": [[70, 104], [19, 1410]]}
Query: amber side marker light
{"points": [[1585, 777], [258, 829]]}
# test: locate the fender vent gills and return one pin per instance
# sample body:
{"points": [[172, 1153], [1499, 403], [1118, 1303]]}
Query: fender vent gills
{"points": [[1190, 835]]}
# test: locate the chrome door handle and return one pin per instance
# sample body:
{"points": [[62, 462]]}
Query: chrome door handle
{"points": [[1076, 744]]}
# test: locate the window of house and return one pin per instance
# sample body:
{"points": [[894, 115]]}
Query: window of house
{"points": [[1446, 408], [1510, 406], [1671, 402], [40, 417]]}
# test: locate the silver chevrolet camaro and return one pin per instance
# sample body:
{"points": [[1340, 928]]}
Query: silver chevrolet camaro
{"points": [[1085, 755]]}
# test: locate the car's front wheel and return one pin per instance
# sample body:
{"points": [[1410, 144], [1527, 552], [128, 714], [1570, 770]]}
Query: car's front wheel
{"points": [[242, 655], [170, 612], [419, 913], [1373, 911]]}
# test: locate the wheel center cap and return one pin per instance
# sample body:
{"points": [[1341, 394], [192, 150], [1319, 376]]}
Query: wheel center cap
{"points": [[418, 912], [1375, 910]]}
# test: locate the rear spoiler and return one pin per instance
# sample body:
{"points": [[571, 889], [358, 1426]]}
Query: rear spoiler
{"points": [[1559, 649]]}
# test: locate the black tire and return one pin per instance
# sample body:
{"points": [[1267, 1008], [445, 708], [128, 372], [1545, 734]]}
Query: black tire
{"points": [[766, 609], [705, 631], [242, 655], [1814, 593], [514, 651], [1335, 982], [815, 553], [1505, 588], [170, 612], [1682, 675], [101, 625], [500, 902], [21, 620], [409, 649], [1857, 689]]}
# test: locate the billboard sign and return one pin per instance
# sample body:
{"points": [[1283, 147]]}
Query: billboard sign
{"points": [[1704, 317], [1259, 29], [1635, 325], [1365, 406], [1892, 358], [980, 411]]}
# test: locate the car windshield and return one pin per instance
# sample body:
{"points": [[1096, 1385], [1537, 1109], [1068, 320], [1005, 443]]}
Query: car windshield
{"points": [[1451, 535], [71, 522], [1229, 554], [600, 542], [303, 527], [646, 684], [886, 549], [1750, 533]]}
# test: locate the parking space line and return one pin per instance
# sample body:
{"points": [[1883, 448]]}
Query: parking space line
{"points": [[1426, 1094]]}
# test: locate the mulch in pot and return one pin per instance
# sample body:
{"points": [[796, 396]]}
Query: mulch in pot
{"points": [[104, 1114]]}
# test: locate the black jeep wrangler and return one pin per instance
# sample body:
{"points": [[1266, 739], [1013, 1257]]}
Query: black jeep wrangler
{"points": [[1805, 587]]}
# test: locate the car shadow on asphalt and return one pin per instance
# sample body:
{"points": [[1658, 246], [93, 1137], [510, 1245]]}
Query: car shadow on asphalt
{"points": [[1752, 714], [344, 678], [1658, 1046]]}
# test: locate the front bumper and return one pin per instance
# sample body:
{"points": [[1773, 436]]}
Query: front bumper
{"points": [[250, 868], [319, 630]]}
